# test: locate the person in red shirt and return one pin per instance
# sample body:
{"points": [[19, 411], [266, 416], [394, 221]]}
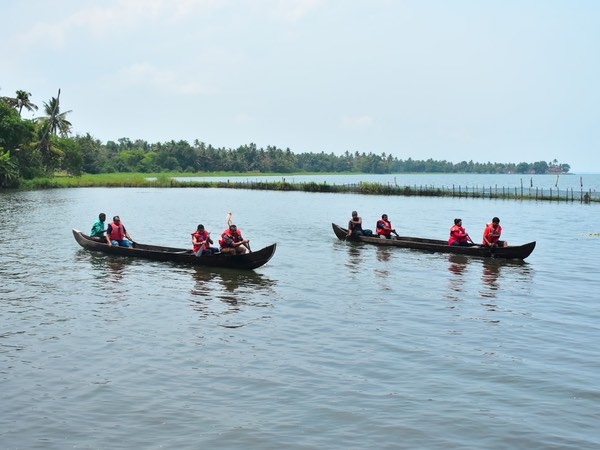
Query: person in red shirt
{"points": [[458, 235], [384, 227], [491, 234], [201, 241]]}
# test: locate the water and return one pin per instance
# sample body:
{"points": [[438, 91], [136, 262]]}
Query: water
{"points": [[330, 345]]}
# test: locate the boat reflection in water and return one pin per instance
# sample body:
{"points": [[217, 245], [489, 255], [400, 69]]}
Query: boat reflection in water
{"points": [[493, 273], [233, 291], [457, 267], [355, 261]]}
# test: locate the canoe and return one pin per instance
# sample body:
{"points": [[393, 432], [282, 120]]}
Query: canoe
{"points": [[250, 260], [439, 246]]}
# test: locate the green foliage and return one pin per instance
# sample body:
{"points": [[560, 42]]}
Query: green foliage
{"points": [[9, 170], [43, 146]]}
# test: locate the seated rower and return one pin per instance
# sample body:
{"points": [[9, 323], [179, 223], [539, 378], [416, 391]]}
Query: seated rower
{"points": [[491, 234], [232, 241], [117, 234], [458, 235], [384, 227], [201, 241], [355, 226], [98, 230]]}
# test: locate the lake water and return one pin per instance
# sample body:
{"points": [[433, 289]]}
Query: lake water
{"points": [[330, 345]]}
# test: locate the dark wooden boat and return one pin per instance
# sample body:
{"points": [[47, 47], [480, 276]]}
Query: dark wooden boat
{"points": [[439, 246], [250, 260]]}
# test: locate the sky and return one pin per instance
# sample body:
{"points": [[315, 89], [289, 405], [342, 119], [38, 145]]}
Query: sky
{"points": [[498, 81]]}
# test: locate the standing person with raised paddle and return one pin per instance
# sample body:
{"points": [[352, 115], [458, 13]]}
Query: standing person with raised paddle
{"points": [[491, 234]]}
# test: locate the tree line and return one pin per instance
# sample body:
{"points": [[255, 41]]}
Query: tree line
{"points": [[39, 147]]}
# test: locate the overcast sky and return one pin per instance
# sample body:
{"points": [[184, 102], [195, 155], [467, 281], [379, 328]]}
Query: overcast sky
{"points": [[499, 81]]}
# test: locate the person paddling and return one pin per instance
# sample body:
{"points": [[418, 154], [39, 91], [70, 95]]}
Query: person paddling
{"points": [[491, 234], [201, 241], [232, 241], [458, 235], [117, 234], [98, 230], [355, 226], [384, 227]]}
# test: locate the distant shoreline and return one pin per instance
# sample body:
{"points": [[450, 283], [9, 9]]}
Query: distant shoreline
{"points": [[167, 180]]}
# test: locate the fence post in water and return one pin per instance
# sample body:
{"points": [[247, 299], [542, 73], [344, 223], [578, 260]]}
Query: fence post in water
{"points": [[521, 187]]}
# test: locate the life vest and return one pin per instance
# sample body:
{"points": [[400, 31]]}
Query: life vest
{"points": [[200, 237], [237, 237], [457, 234], [117, 232], [491, 234], [387, 224]]}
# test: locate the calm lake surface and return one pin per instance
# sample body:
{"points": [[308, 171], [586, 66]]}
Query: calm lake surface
{"points": [[330, 345]]}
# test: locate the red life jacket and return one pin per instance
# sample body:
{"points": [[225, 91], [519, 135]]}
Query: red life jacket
{"points": [[237, 237], [117, 232], [200, 237], [491, 234], [387, 224], [457, 234]]}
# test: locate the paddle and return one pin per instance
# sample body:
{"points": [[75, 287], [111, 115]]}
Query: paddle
{"points": [[397, 235]]}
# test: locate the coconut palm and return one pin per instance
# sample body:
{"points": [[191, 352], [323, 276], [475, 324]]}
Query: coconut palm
{"points": [[55, 122], [24, 102], [21, 101]]}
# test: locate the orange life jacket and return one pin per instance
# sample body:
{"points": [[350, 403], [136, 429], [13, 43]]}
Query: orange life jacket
{"points": [[491, 234], [387, 224], [117, 232], [237, 237], [457, 234], [200, 237]]}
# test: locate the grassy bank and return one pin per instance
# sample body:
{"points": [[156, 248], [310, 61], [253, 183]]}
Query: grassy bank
{"points": [[129, 179], [241, 181]]}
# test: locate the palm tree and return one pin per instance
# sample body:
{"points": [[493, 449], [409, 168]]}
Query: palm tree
{"points": [[24, 102], [55, 123], [21, 101]]}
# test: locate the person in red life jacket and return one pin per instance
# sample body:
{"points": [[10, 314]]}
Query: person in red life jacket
{"points": [[117, 233], [458, 235], [491, 234], [232, 241], [384, 227], [201, 241]]}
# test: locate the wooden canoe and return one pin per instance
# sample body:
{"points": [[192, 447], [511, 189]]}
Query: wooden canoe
{"points": [[439, 246], [250, 260]]}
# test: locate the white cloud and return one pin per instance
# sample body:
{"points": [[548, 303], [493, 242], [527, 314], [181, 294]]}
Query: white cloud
{"points": [[167, 81], [123, 15], [294, 10], [357, 122]]}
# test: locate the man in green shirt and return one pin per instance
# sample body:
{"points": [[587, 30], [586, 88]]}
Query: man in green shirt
{"points": [[98, 229]]}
